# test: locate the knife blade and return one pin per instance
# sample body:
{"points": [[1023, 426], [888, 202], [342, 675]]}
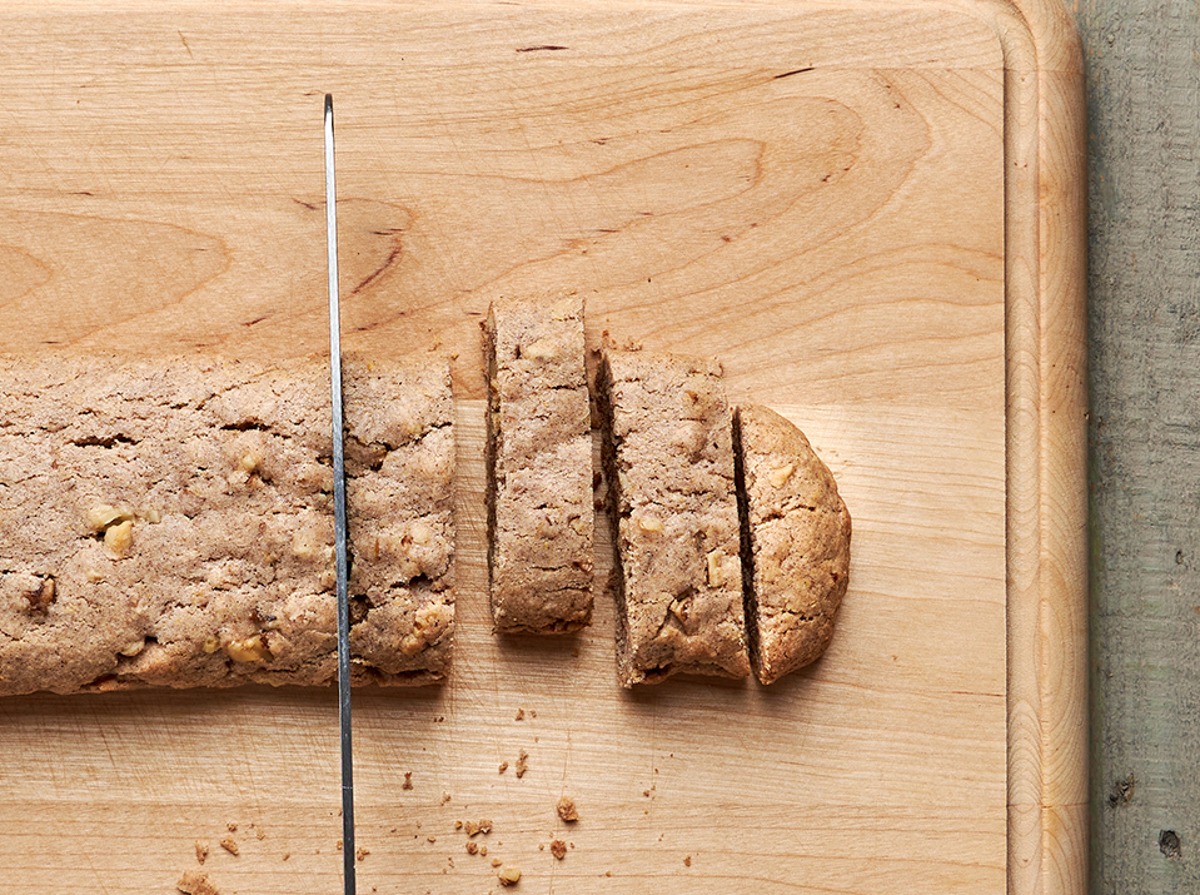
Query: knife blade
{"points": [[339, 511]]}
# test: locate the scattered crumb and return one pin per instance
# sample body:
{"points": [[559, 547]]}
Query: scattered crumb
{"points": [[259, 834], [496, 862], [361, 853], [231, 826], [646, 793], [439, 719], [407, 784], [431, 839], [230, 845], [286, 855], [608, 873], [687, 861], [195, 882], [520, 714], [533, 713], [450, 861], [541, 846], [483, 851], [481, 826], [522, 763], [458, 825], [472, 847], [201, 852], [503, 766], [445, 797], [337, 847], [558, 848], [567, 810], [510, 875]]}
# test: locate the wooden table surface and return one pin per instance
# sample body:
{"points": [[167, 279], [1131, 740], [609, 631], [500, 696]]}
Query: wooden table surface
{"points": [[1143, 92]]}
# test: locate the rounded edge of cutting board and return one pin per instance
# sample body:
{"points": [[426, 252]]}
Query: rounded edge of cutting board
{"points": [[1046, 359]]}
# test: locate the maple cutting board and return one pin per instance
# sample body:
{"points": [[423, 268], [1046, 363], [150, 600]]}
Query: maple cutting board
{"points": [[872, 212]]}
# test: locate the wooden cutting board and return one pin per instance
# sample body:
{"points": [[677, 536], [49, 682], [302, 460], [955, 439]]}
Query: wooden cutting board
{"points": [[872, 212]]}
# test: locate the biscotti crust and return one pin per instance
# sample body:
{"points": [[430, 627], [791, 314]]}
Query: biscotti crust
{"points": [[797, 548], [539, 456], [166, 522], [668, 459]]}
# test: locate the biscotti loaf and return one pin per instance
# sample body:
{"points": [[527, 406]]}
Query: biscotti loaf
{"points": [[168, 522], [796, 555], [668, 458], [539, 459]]}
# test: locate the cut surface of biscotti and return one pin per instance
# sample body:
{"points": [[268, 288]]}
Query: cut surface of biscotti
{"points": [[668, 458], [539, 458], [168, 522], [796, 543]]}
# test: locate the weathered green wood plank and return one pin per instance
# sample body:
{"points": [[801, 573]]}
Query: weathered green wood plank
{"points": [[1143, 83]]}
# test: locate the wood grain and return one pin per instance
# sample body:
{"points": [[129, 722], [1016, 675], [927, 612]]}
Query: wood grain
{"points": [[841, 203]]}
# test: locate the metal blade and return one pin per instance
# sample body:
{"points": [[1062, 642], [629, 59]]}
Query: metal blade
{"points": [[339, 511]]}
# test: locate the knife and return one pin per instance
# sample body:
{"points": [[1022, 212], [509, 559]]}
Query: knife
{"points": [[339, 511]]}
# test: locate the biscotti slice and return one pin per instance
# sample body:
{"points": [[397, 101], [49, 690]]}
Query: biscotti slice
{"points": [[796, 543], [400, 499], [668, 457], [539, 460], [167, 522]]}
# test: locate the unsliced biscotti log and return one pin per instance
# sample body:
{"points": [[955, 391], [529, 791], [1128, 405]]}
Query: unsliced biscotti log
{"points": [[796, 543], [168, 522], [668, 457], [539, 461]]}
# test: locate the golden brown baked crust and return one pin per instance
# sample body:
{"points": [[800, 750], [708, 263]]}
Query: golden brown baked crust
{"points": [[168, 522], [796, 555], [668, 458], [539, 457]]}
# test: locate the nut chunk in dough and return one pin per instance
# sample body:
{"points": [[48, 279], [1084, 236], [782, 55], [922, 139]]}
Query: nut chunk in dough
{"points": [[796, 543], [668, 457], [539, 456]]}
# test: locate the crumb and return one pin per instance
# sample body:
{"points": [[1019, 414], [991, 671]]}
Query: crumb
{"points": [[687, 861], [646, 793], [445, 797], [541, 846], [194, 882], [575, 652], [503, 766], [337, 847], [259, 834], [407, 784], [458, 825], [361, 853], [472, 847], [567, 810], [286, 855], [533, 713], [231, 826], [520, 714], [450, 861], [522, 763], [431, 839], [230, 845], [496, 862], [483, 851], [608, 873], [558, 848], [510, 875], [201, 852], [481, 826]]}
